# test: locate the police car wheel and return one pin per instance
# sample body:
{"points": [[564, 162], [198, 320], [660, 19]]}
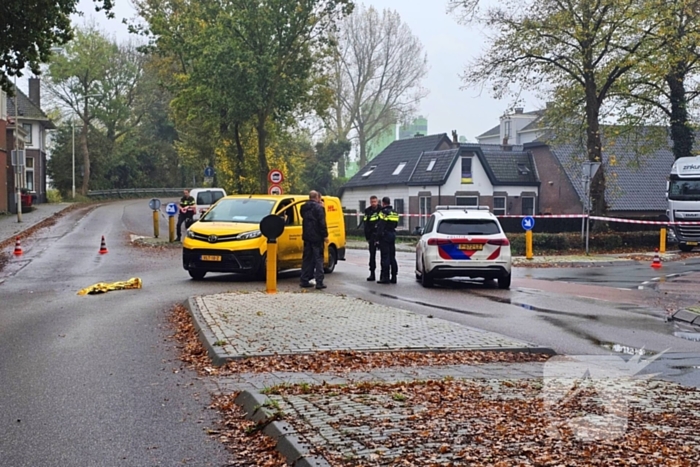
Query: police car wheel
{"points": [[332, 260], [426, 279], [197, 274], [504, 282]]}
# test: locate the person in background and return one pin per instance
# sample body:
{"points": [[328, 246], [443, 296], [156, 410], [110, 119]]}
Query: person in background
{"points": [[187, 207], [386, 239], [370, 220], [314, 233]]}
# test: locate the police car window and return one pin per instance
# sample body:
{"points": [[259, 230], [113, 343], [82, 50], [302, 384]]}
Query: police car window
{"points": [[468, 227], [249, 211], [205, 197]]}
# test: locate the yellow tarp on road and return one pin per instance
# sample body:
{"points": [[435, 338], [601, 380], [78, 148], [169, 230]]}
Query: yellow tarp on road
{"points": [[104, 287]]}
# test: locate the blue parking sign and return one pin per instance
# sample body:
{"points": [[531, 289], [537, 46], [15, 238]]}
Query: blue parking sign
{"points": [[171, 209], [528, 223]]}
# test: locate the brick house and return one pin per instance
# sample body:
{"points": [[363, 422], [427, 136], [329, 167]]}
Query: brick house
{"points": [[34, 125], [421, 173]]}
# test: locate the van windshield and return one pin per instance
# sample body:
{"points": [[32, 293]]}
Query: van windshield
{"points": [[684, 190], [248, 211], [207, 198]]}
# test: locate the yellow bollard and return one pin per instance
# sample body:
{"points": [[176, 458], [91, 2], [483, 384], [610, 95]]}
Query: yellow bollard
{"points": [[528, 244], [171, 228], [156, 224], [271, 267], [662, 241]]}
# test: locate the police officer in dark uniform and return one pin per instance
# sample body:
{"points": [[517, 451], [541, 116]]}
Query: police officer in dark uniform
{"points": [[187, 207], [370, 220], [386, 238]]}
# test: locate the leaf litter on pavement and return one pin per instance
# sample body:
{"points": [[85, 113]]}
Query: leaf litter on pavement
{"points": [[444, 422]]}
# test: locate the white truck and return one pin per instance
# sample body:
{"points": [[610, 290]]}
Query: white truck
{"points": [[684, 201]]}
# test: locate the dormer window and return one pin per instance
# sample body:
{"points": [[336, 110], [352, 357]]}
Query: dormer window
{"points": [[399, 168], [431, 165], [523, 169], [369, 171]]}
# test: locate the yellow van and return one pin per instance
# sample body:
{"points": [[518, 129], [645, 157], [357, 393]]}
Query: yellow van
{"points": [[228, 239]]}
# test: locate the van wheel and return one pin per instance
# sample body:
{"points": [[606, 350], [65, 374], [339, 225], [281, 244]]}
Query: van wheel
{"points": [[685, 248], [197, 274], [332, 260], [261, 273]]}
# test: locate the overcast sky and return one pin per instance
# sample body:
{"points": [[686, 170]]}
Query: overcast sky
{"points": [[449, 47]]}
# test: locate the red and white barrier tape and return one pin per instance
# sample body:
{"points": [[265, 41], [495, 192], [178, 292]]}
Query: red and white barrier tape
{"points": [[573, 216]]}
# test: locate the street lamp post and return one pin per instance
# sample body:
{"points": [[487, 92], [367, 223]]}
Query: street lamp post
{"points": [[18, 167], [72, 124]]}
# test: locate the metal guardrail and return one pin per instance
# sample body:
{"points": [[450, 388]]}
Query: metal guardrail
{"points": [[133, 192]]}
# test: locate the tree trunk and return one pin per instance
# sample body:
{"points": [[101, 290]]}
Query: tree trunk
{"points": [[363, 148], [594, 149], [262, 158], [239, 161], [341, 166], [681, 133], [86, 159]]}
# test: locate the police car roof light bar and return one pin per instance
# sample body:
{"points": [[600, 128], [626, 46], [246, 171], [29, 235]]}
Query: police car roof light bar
{"points": [[464, 208]]}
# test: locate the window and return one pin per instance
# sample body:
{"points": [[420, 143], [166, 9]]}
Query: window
{"points": [[399, 168], [28, 128], [3, 105], [506, 129], [206, 198], [29, 174], [249, 211], [424, 209], [369, 171], [467, 170], [431, 165], [468, 227], [523, 169], [363, 205], [467, 201], [528, 205], [398, 207], [429, 226], [499, 205]]}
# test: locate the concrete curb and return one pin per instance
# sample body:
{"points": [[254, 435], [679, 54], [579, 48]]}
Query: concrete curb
{"points": [[687, 317], [206, 337], [653, 283], [292, 445]]}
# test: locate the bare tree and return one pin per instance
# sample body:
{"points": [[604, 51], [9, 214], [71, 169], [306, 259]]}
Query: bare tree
{"points": [[378, 67]]}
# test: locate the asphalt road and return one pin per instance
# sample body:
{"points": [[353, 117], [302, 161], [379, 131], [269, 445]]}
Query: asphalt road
{"points": [[93, 380]]}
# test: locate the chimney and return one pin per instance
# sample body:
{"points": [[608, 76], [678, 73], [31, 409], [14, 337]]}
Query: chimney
{"points": [[455, 138], [519, 110], [505, 146], [35, 91]]}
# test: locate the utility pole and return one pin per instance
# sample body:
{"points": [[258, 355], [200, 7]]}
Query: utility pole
{"points": [[18, 167], [72, 124]]}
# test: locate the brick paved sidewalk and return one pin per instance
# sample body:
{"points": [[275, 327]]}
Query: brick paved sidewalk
{"points": [[238, 325]]}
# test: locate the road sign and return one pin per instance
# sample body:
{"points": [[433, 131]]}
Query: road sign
{"points": [[275, 190], [154, 204], [528, 223], [209, 172], [208, 180], [590, 169], [171, 209], [272, 226], [18, 159], [275, 176]]}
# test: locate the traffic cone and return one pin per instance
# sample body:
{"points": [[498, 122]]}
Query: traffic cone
{"points": [[656, 264], [103, 246], [18, 248]]}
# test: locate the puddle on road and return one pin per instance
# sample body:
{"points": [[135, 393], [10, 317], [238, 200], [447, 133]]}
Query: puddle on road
{"points": [[430, 305], [510, 301]]}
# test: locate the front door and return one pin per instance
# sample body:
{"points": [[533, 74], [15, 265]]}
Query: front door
{"points": [[289, 245]]}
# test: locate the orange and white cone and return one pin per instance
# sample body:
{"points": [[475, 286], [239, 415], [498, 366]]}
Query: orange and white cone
{"points": [[103, 246], [18, 248], [656, 264]]}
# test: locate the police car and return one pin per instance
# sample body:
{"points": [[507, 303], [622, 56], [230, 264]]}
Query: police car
{"points": [[463, 242]]}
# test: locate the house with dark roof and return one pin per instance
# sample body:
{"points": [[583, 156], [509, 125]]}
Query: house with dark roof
{"points": [[516, 128], [33, 125], [421, 173]]}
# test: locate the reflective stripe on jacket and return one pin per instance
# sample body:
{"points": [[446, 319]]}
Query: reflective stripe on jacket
{"points": [[388, 220]]}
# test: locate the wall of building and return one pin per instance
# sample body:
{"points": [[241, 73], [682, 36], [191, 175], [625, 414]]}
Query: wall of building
{"points": [[557, 196], [4, 162], [352, 196]]}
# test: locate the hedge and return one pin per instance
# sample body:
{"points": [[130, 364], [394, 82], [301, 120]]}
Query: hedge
{"points": [[602, 242]]}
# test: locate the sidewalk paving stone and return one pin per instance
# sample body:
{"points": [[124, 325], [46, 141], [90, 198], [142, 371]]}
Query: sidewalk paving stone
{"points": [[10, 228], [240, 325]]}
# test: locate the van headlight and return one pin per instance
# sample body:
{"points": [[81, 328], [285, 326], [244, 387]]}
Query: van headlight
{"points": [[190, 234], [249, 235]]}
